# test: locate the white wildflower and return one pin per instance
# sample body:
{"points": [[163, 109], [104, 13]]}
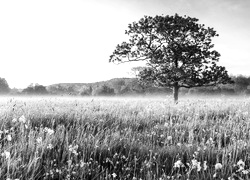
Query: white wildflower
{"points": [[169, 138], [73, 149], [214, 176], [8, 137], [178, 164], [114, 175], [6, 131], [245, 172], [82, 163], [49, 146], [179, 144], [22, 119], [205, 165], [196, 164], [241, 163], [218, 166], [50, 131], [39, 140], [6, 154], [14, 120]]}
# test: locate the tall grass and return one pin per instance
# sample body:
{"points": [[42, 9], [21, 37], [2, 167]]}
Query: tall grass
{"points": [[124, 138]]}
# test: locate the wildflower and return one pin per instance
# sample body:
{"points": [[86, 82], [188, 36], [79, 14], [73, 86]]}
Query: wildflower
{"points": [[196, 153], [166, 124], [69, 162], [58, 171], [9, 138], [50, 131], [114, 175], [6, 131], [73, 149], [14, 120], [205, 165], [179, 144], [169, 138], [178, 164], [210, 141], [196, 164], [39, 140], [22, 119], [6, 154], [218, 166], [49, 146], [241, 163], [245, 172], [82, 163]]}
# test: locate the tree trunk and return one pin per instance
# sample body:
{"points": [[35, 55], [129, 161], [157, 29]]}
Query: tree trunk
{"points": [[176, 92]]}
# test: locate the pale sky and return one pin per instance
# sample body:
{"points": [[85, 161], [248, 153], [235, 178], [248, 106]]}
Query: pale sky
{"points": [[57, 41]]}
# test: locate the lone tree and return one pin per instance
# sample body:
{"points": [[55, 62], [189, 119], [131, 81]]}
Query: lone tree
{"points": [[177, 50]]}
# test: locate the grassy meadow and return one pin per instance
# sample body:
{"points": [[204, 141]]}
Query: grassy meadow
{"points": [[124, 138]]}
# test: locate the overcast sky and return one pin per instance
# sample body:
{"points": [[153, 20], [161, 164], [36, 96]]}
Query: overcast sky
{"points": [[56, 41]]}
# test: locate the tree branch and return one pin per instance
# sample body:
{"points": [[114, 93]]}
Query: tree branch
{"points": [[131, 60], [200, 85]]}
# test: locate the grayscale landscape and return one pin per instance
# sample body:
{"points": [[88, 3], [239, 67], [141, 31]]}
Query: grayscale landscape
{"points": [[124, 90]]}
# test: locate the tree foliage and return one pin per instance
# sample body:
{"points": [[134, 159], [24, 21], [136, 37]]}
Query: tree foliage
{"points": [[86, 90], [35, 90], [4, 87], [178, 51], [103, 90]]}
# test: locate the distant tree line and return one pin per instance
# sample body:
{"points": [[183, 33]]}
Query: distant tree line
{"points": [[125, 86], [131, 86], [35, 89]]}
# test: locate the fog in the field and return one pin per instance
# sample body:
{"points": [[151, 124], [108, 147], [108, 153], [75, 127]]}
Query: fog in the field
{"points": [[168, 99]]}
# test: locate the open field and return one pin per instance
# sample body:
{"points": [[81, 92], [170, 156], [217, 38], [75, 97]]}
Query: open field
{"points": [[124, 138]]}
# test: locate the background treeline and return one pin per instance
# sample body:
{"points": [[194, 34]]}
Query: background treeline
{"points": [[125, 86]]}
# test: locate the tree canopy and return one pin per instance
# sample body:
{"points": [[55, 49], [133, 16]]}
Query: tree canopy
{"points": [[4, 86], [178, 52]]}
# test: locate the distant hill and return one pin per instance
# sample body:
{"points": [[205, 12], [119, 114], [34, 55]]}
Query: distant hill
{"points": [[131, 86]]}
